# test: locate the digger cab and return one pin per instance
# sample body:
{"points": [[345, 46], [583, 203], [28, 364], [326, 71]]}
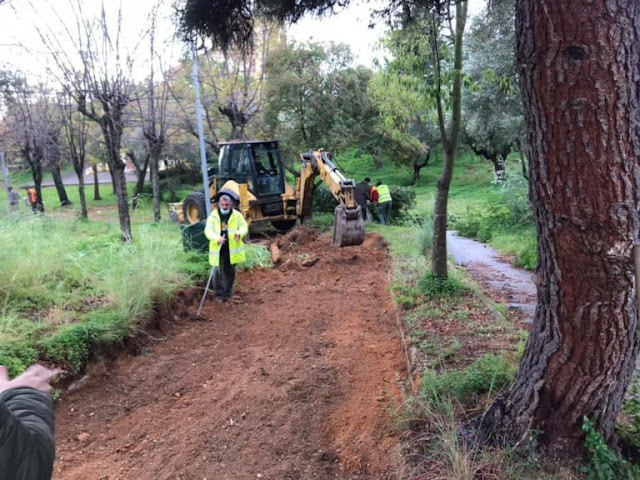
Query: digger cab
{"points": [[253, 171], [258, 164]]}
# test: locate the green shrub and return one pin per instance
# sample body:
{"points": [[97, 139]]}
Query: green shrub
{"points": [[490, 373], [507, 207], [604, 464], [527, 254], [17, 356], [403, 201], [323, 200], [435, 286]]}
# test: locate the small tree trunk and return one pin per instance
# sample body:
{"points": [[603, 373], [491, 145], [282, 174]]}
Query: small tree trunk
{"points": [[83, 199], [155, 185], [498, 167], [112, 132], [450, 143], [111, 174], [123, 205], [142, 174], [57, 181], [439, 250], [96, 183]]}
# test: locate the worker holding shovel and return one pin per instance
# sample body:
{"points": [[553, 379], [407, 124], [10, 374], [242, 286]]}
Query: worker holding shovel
{"points": [[225, 229]]}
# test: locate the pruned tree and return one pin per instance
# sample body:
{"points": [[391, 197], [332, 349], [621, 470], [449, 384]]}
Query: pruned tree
{"points": [[75, 129], [153, 114], [53, 156], [232, 83], [33, 129], [102, 90]]}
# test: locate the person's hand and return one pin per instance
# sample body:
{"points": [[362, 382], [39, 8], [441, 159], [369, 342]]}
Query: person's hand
{"points": [[237, 237], [221, 240], [36, 376]]}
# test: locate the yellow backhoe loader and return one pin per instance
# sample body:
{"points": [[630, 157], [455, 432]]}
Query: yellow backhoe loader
{"points": [[253, 171]]}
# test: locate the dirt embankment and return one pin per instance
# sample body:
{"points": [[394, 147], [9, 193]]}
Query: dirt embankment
{"points": [[295, 380]]}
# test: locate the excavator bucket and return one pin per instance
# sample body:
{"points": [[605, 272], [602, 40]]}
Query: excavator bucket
{"points": [[348, 226]]}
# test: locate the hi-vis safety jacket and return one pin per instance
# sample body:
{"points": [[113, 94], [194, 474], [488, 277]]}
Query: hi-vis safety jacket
{"points": [[383, 194], [236, 225]]}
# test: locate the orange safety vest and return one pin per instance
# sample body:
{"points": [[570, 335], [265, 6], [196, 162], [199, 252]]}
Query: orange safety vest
{"points": [[32, 195]]}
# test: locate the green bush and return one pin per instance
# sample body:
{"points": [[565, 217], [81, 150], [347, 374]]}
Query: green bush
{"points": [[435, 286], [604, 464], [17, 356], [403, 201], [506, 208], [490, 373], [323, 200]]}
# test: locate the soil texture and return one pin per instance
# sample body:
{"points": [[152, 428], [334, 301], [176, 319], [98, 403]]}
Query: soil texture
{"points": [[297, 377]]}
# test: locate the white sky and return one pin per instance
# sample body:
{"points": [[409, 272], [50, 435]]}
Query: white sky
{"points": [[22, 49]]}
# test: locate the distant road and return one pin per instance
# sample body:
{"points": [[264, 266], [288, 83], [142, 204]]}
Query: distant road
{"points": [[103, 177]]}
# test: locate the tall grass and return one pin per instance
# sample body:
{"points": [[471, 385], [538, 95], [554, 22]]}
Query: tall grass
{"points": [[70, 286]]}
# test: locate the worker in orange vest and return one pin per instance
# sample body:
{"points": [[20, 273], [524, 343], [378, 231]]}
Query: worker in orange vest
{"points": [[33, 198]]}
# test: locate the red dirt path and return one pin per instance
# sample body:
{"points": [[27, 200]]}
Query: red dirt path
{"points": [[297, 380]]}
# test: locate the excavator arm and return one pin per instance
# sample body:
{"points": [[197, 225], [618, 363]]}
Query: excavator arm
{"points": [[348, 226]]}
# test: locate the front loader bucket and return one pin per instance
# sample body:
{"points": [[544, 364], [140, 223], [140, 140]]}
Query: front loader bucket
{"points": [[348, 226]]}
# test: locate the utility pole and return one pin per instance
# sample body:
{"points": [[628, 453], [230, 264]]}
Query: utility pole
{"points": [[5, 173], [203, 153]]}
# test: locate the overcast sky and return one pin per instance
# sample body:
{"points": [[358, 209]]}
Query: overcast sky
{"points": [[21, 47]]}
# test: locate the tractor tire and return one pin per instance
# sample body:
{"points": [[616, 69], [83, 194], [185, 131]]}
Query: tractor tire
{"points": [[283, 225], [194, 208]]}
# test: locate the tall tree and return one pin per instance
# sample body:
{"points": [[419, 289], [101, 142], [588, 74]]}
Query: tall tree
{"points": [[154, 117], [29, 115], [53, 156], [317, 98], [492, 109], [75, 129], [579, 75], [449, 136], [103, 90]]}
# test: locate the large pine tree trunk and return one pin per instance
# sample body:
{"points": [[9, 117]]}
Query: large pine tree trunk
{"points": [[579, 82]]}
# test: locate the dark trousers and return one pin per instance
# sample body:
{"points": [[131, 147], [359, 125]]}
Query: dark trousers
{"points": [[363, 211], [384, 212], [224, 275]]}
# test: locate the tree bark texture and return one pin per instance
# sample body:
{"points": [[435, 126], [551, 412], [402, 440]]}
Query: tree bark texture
{"points": [[142, 175], [156, 150], [96, 183], [59, 184], [579, 79], [83, 198], [112, 132]]}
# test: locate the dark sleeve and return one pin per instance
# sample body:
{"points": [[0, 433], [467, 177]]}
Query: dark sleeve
{"points": [[27, 447]]}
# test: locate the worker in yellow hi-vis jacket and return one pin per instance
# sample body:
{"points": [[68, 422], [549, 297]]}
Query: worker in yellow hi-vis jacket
{"points": [[225, 229]]}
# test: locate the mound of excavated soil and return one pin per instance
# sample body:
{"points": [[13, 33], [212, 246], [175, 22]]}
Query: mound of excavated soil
{"points": [[296, 379]]}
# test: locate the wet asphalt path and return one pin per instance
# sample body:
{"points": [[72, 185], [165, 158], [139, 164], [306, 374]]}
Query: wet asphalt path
{"points": [[484, 264]]}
